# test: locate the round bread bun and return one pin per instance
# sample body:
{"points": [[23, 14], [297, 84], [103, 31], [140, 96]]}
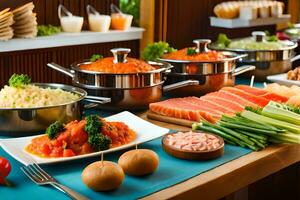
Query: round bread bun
{"points": [[226, 10], [103, 176], [139, 162]]}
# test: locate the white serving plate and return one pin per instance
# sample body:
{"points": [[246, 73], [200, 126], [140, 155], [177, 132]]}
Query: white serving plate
{"points": [[145, 131], [282, 79], [238, 23]]}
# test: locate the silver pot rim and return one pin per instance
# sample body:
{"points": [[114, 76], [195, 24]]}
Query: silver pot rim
{"points": [[232, 56], [82, 94], [164, 67], [289, 47]]}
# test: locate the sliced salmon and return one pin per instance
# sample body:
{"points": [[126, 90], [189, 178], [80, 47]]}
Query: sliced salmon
{"points": [[232, 105], [223, 94], [263, 93], [179, 109], [260, 101], [209, 105]]}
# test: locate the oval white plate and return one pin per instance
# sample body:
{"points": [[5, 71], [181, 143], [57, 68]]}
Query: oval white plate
{"points": [[282, 79], [145, 131]]}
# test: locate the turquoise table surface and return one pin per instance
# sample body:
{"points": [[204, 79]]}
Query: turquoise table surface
{"points": [[170, 172]]}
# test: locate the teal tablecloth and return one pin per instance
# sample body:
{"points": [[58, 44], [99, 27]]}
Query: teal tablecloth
{"points": [[170, 172]]}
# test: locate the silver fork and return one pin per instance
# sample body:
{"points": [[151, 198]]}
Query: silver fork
{"points": [[40, 177]]}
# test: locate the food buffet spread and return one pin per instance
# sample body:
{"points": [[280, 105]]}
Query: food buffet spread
{"points": [[211, 118]]}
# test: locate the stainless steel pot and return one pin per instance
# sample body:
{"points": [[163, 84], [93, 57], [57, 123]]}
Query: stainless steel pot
{"points": [[127, 91], [29, 121], [212, 75], [267, 62]]}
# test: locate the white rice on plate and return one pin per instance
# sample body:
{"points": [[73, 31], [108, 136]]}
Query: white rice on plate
{"points": [[31, 96]]}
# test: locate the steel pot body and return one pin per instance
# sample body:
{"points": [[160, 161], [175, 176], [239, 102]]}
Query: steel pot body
{"points": [[267, 62], [29, 121], [208, 82], [128, 91]]}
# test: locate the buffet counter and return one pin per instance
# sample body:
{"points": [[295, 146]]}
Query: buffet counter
{"points": [[232, 176]]}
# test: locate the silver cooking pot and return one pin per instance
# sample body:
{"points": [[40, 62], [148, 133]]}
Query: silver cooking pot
{"points": [[29, 121], [211, 75], [127, 91], [267, 62]]}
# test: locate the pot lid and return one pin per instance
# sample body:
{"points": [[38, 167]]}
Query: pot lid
{"points": [[120, 64], [201, 54], [257, 43]]}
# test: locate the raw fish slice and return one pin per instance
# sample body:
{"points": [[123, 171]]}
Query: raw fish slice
{"points": [[261, 101], [263, 93], [190, 101], [209, 105], [181, 104], [173, 108], [236, 107], [232, 97]]}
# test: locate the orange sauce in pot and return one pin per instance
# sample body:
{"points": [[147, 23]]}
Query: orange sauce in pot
{"points": [[182, 55], [73, 140], [107, 65]]}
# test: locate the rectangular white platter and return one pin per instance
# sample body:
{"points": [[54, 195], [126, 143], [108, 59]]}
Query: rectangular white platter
{"points": [[239, 23], [145, 131], [282, 79]]}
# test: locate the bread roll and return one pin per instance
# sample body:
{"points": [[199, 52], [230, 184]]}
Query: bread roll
{"points": [[226, 10], [103, 176], [139, 162]]}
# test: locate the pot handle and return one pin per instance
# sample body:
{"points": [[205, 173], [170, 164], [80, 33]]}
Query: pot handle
{"points": [[243, 69], [99, 100], [180, 85], [297, 57], [61, 69]]}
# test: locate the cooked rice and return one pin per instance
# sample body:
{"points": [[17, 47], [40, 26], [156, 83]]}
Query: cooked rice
{"points": [[31, 96]]}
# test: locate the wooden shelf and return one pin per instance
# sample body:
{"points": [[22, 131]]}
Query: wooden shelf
{"points": [[69, 39], [242, 23]]}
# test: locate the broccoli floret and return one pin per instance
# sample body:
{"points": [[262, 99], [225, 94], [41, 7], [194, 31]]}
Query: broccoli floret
{"points": [[96, 139], [222, 41], [54, 129], [93, 125], [95, 57], [99, 142], [191, 51], [18, 80], [156, 50]]}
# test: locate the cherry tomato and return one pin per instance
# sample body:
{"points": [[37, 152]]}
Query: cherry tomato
{"points": [[5, 168]]}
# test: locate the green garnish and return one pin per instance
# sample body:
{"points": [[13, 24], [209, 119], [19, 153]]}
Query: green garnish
{"points": [[156, 50], [257, 110], [95, 57], [46, 30], [93, 125], [222, 41], [54, 130], [99, 142], [96, 139], [191, 51], [19, 80]]}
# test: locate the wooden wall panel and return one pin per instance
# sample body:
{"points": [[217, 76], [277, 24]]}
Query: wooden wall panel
{"points": [[33, 62]]}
